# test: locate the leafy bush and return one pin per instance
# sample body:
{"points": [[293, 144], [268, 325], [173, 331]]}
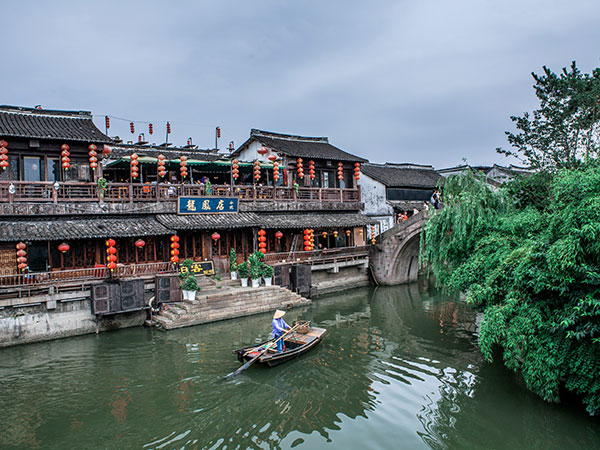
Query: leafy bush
{"points": [[528, 256], [256, 265], [267, 271], [189, 283], [242, 270], [232, 260]]}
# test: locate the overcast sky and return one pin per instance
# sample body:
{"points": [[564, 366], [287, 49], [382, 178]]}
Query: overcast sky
{"points": [[419, 81]]}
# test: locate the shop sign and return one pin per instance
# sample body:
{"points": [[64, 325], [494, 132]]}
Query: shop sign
{"points": [[207, 205], [199, 268]]}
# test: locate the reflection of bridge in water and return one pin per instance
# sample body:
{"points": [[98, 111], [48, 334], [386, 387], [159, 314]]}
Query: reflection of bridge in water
{"points": [[394, 259]]}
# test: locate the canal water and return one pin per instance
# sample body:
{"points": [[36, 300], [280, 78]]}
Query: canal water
{"points": [[399, 368]]}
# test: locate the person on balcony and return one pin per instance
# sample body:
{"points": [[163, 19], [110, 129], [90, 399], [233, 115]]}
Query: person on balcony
{"points": [[279, 328]]}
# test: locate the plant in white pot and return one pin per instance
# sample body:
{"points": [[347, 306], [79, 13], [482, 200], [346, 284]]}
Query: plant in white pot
{"points": [[256, 266], [242, 271], [232, 264], [187, 281], [267, 274]]}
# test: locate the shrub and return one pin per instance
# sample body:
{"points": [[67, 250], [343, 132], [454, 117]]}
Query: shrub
{"points": [[242, 270], [267, 271], [232, 260]]}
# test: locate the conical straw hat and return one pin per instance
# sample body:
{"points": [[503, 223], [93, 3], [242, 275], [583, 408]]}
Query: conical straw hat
{"points": [[278, 314]]}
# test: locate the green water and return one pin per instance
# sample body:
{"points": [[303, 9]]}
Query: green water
{"points": [[398, 368]]}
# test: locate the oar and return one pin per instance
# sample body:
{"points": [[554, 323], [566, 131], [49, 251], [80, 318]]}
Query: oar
{"points": [[253, 360]]}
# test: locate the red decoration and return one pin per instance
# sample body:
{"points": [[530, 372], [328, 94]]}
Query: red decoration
{"points": [[92, 156], [132, 128], [215, 236], [300, 168], [218, 133], [107, 122], [235, 169], [275, 171], [279, 235], [66, 161], [112, 254], [150, 128], [373, 239], [174, 248], [63, 248], [272, 158], [168, 128], [257, 170], [139, 243], [347, 232], [3, 154], [262, 151], [340, 171], [183, 166], [106, 150], [162, 171], [21, 256], [311, 169], [133, 164], [356, 171], [324, 234]]}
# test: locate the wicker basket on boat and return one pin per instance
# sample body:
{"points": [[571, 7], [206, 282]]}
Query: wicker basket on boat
{"points": [[303, 326]]}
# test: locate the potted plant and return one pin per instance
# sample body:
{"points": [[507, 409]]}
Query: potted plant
{"points": [[187, 281], [256, 266], [242, 271], [267, 274], [232, 264]]}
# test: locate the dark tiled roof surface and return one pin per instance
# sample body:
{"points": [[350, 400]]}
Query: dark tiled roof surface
{"points": [[169, 152], [398, 176], [47, 124], [314, 220], [60, 228], [301, 146], [208, 221]]}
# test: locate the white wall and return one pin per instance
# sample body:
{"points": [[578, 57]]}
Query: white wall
{"points": [[250, 153], [373, 194]]}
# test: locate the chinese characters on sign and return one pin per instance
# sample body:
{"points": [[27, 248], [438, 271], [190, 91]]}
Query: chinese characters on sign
{"points": [[203, 205], [204, 268]]}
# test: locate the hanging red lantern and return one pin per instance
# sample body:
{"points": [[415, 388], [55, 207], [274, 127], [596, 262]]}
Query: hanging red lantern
{"points": [[150, 128], [21, 256], [275, 171], [307, 244], [215, 236], [218, 130], [63, 248], [272, 158], [133, 164], [174, 248], [168, 128], [162, 171], [3, 154], [112, 254], [174, 238], [373, 239], [324, 234], [257, 170], [278, 235], [183, 166], [66, 161], [347, 232], [262, 151], [235, 169], [107, 122], [335, 234], [132, 128], [106, 151], [139, 243], [340, 171], [300, 168], [311, 169], [21, 253], [92, 156], [356, 171]]}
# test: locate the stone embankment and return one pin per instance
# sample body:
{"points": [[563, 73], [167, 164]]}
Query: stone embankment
{"points": [[226, 303]]}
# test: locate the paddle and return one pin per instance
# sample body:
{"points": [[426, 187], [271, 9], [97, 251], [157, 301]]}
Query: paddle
{"points": [[253, 360]]}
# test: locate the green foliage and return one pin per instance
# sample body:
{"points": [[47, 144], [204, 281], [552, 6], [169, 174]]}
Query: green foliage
{"points": [[267, 271], [242, 270], [232, 260], [528, 256], [187, 280], [563, 132], [256, 265]]}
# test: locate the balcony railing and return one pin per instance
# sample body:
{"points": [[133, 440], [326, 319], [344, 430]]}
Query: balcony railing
{"points": [[30, 191], [318, 256]]}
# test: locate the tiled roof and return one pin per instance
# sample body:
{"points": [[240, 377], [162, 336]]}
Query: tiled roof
{"points": [[300, 146], [33, 123], [314, 220], [60, 228], [169, 152], [402, 175], [208, 221]]}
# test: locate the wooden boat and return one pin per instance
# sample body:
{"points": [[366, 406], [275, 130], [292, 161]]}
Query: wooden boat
{"points": [[295, 344]]}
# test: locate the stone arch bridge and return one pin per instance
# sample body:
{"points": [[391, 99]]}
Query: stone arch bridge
{"points": [[394, 259]]}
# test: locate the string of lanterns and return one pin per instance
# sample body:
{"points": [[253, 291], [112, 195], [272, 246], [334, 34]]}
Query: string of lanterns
{"points": [[262, 241], [340, 171], [183, 166], [275, 171], [162, 171], [64, 156], [300, 168], [307, 244], [133, 164], [373, 238], [257, 170], [174, 249], [356, 171], [21, 256], [235, 169], [311, 169], [111, 256], [3, 154], [92, 154]]}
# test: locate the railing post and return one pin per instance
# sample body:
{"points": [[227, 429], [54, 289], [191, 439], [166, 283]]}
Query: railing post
{"points": [[320, 195], [341, 195], [131, 192]]}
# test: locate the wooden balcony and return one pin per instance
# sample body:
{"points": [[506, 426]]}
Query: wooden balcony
{"points": [[48, 192]]}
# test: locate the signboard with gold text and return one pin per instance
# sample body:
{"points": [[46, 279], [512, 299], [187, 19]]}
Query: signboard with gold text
{"points": [[207, 205]]}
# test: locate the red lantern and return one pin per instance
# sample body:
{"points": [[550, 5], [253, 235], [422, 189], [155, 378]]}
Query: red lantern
{"points": [[133, 164], [335, 234], [183, 166], [257, 170], [106, 151], [21, 246], [140, 243], [324, 234], [262, 151], [21, 253], [168, 128], [3, 154], [107, 122], [111, 265], [218, 133], [174, 252], [311, 169], [300, 168], [272, 158], [112, 254], [132, 128], [162, 171], [66, 161], [278, 235], [111, 243], [175, 245], [340, 171], [356, 171], [21, 260], [275, 171], [235, 169], [150, 128], [174, 238], [215, 236], [347, 232], [92, 156], [174, 259], [63, 248]]}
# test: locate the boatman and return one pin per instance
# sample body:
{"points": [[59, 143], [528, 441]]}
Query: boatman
{"points": [[279, 327]]}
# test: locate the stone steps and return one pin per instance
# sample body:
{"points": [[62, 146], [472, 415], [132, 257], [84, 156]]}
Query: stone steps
{"points": [[227, 304]]}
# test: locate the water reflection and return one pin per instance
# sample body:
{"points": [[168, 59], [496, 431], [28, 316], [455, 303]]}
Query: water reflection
{"points": [[399, 367]]}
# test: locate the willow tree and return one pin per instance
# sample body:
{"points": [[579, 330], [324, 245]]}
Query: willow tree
{"points": [[531, 263], [564, 131]]}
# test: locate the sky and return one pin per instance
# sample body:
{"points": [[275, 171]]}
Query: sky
{"points": [[421, 81]]}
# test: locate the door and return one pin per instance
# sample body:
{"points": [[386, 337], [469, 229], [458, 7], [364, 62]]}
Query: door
{"points": [[32, 168]]}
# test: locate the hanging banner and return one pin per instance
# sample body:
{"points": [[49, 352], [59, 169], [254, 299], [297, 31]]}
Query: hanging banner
{"points": [[207, 205]]}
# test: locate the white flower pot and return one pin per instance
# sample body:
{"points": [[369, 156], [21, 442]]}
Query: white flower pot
{"points": [[244, 282], [189, 295], [234, 275], [268, 281], [256, 283]]}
